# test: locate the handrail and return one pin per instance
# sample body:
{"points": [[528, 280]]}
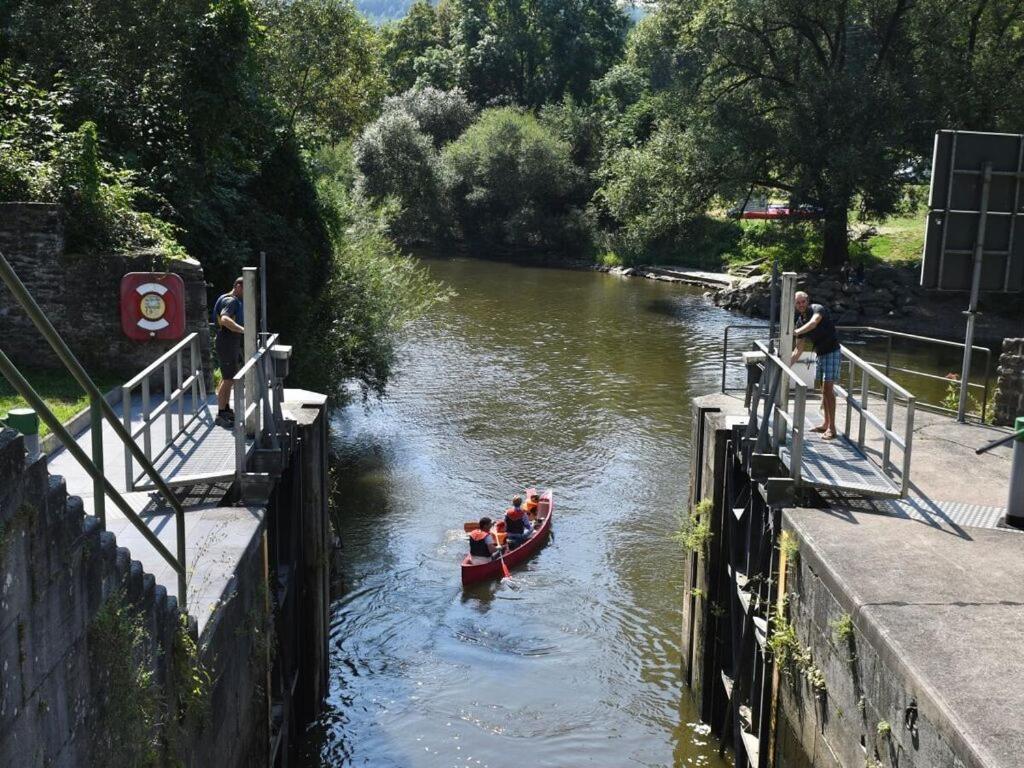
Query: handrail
{"points": [[782, 375], [194, 383], [890, 393], [262, 401], [955, 382], [881, 378], [100, 408]]}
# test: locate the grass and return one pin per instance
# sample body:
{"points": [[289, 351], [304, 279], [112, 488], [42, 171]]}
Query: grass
{"points": [[900, 239], [59, 391]]}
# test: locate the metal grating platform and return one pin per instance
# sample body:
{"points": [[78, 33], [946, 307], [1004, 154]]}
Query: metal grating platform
{"points": [[940, 514], [204, 452], [839, 465]]}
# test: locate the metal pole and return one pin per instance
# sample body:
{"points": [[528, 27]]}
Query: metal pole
{"points": [[96, 433], [263, 292], [972, 309], [771, 306], [1015, 505], [250, 323]]}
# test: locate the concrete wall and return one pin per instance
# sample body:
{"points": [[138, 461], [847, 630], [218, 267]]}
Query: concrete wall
{"points": [[1010, 400], [81, 295], [58, 572], [839, 727]]}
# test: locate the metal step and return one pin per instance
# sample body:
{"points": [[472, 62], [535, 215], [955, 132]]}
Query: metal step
{"points": [[727, 684], [752, 746]]}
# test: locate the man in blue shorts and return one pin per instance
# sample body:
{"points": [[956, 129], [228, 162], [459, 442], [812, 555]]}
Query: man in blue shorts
{"points": [[814, 323], [228, 314]]}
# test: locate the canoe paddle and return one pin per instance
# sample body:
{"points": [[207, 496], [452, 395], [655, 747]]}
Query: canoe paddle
{"points": [[504, 568]]}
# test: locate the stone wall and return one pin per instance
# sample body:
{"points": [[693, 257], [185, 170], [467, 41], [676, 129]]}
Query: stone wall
{"points": [[74, 682], [81, 296], [1010, 398], [60, 575]]}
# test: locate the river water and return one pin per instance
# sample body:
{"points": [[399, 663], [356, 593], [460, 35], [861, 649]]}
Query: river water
{"points": [[571, 380]]}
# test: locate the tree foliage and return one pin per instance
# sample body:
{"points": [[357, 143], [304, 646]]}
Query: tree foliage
{"points": [[322, 63], [512, 184]]}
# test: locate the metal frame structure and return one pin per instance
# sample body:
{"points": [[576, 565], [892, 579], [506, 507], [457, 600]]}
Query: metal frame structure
{"points": [[957, 203]]}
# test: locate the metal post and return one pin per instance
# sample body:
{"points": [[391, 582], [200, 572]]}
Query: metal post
{"points": [[147, 446], [772, 304], [1015, 505], [181, 392], [263, 292], [168, 416], [890, 401], [972, 309], [865, 389], [250, 323], [888, 356], [239, 430], [126, 414], [96, 433], [908, 447], [786, 317]]}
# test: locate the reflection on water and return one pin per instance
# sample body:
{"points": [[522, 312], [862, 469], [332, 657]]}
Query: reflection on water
{"points": [[569, 380]]}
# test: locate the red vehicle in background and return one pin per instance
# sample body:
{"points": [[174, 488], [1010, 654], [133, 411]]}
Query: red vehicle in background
{"points": [[783, 212]]}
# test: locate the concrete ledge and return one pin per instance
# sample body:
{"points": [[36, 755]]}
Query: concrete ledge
{"points": [[943, 612]]}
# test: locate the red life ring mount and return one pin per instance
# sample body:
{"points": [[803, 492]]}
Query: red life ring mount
{"points": [[153, 306]]}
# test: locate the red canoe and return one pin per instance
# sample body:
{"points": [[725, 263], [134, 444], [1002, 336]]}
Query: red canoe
{"points": [[471, 574]]}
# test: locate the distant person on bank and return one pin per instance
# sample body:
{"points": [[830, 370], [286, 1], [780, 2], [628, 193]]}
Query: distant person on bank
{"points": [[228, 314], [814, 323]]}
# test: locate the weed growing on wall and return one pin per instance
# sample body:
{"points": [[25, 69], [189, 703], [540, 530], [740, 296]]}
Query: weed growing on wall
{"points": [[793, 659], [124, 735], [694, 531], [192, 685]]}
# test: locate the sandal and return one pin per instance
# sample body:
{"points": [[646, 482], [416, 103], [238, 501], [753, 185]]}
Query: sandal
{"points": [[819, 428], [828, 436]]}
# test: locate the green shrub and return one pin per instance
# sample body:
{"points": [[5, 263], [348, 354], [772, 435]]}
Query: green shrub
{"points": [[694, 531]]}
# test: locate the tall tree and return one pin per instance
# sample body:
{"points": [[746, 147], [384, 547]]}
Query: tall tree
{"points": [[814, 98], [322, 62]]}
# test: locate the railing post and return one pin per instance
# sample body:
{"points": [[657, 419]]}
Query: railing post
{"points": [[240, 430], [888, 356], [890, 401], [865, 389], [146, 440], [908, 439], [126, 416], [197, 367], [849, 400], [168, 416], [181, 395], [249, 305], [797, 430], [96, 432]]}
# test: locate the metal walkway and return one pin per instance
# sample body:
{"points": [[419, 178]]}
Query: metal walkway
{"points": [[839, 463]]}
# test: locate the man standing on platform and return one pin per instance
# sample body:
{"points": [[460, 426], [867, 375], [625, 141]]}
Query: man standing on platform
{"points": [[227, 313], [814, 322]]}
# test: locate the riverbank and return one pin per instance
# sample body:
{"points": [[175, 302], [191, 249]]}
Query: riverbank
{"points": [[884, 296]]}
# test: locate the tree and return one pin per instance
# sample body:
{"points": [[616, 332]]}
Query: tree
{"points": [[408, 40], [532, 52], [442, 115], [396, 161], [322, 63], [512, 184], [812, 98]]}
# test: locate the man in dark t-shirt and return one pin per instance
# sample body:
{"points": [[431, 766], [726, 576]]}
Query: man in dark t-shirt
{"points": [[814, 323], [228, 314]]}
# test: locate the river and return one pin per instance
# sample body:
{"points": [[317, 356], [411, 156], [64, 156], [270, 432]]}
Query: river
{"points": [[571, 380]]}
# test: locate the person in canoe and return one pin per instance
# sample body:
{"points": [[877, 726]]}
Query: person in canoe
{"points": [[517, 523], [482, 544], [531, 507]]}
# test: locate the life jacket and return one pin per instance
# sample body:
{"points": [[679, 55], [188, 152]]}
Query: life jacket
{"points": [[515, 520], [478, 543]]}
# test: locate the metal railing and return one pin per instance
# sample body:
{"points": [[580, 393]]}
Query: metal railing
{"points": [[100, 409], [864, 374], [171, 363], [257, 413], [779, 425], [985, 387], [747, 333]]}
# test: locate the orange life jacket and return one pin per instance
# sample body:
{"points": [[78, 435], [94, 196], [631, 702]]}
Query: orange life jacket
{"points": [[515, 520], [531, 506], [514, 513]]}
